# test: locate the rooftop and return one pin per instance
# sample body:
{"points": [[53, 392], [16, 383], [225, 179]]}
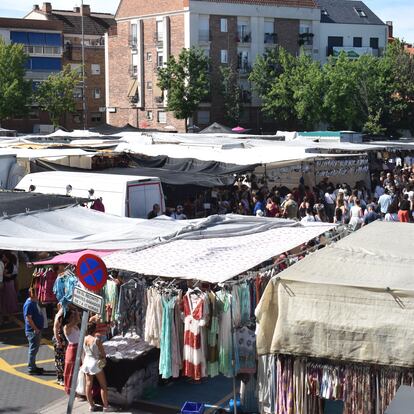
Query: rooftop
{"points": [[278, 3], [94, 23], [348, 12], [11, 23]]}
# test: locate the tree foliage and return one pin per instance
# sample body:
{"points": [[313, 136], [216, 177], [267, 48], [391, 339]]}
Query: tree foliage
{"points": [[56, 94], [14, 90], [186, 81], [231, 92], [370, 94]]}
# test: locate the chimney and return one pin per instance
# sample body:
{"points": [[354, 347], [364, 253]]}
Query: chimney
{"points": [[76, 10], [86, 10], [47, 8], [35, 7], [390, 29]]}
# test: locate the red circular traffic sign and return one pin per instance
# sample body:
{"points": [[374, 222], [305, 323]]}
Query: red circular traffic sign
{"points": [[92, 272]]}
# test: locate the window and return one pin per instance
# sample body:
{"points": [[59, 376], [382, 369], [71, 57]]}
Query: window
{"points": [[76, 66], [224, 57], [203, 117], [95, 69], [243, 31], [243, 62], [160, 31], [160, 59], [149, 86], [223, 25], [77, 93], [149, 57], [134, 34], [324, 12], [360, 12], [149, 115], [203, 28], [77, 117], [334, 41], [97, 93], [134, 70], [269, 31], [162, 117], [96, 117], [374, 42], [357, 41]]}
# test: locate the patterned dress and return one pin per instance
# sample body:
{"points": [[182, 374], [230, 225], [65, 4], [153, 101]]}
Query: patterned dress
{"points": [[195, 307]]}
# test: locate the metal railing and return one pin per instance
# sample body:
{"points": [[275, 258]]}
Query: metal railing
{"points": [[270, 38], [43, 50], [244, 37]]}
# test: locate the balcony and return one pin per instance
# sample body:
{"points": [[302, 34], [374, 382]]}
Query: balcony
{"points": [[351, 52], [133, 42], [244, 37], [244, 68], [43, 50], [158, 40], [305, 39], [204, 36], [270, 38]]}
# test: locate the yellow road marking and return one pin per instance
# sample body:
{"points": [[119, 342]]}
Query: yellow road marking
{"points": [[6, 348], [5, 367], [44, 361]]}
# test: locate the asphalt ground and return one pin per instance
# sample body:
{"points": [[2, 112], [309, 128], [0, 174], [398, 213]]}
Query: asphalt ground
{"points": [[20, 392]]}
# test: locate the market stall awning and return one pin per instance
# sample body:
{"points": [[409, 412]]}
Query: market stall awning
{"points": [[72, 257], [78, 228], [215, 258], [353, 300]]}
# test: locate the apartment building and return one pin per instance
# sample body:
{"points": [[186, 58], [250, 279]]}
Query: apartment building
{"points": [[352, 27], [231, 32], [95, 26], [43, 43]]}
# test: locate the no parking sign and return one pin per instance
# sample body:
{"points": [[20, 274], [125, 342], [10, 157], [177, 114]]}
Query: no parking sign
{"points": [[92, 272]]}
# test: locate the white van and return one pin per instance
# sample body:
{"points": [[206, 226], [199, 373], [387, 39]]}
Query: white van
{"points": [[122, 195]]}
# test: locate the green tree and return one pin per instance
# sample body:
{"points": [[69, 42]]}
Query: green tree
{"points": [[56, 94], [231, 92], [14, 90], [187, 82]]}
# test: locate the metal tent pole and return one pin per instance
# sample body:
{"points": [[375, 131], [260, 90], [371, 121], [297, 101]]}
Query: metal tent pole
{"points": [[84, 115], [233, 359]]}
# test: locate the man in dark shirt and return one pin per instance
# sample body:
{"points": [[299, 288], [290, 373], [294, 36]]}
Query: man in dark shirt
{"points": [[33, 323], [371, 216], [154, 212]]}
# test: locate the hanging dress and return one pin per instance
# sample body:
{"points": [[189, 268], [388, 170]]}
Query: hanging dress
{"points": [[224, 338], [194, 355]]}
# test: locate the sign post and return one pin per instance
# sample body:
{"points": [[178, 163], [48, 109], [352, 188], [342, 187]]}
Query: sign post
{"points": [[92, 273]]}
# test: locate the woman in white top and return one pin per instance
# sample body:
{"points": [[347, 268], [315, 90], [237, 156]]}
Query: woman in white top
{"points": [[356, 214], [71, 331], [93, 365]]}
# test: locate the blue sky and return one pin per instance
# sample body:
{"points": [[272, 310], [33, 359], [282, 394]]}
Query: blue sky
{"points": [[401, 12]]}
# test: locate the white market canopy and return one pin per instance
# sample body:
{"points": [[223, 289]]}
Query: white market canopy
{"points": [[212, 257], [213, 249], [353, 300]]}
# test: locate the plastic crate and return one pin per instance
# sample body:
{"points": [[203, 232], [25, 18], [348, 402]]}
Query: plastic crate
{"points": [[192, 408]]}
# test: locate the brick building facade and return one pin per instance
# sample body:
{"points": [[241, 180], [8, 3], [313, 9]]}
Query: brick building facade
{"points": [[231, 32], [95, 26]]}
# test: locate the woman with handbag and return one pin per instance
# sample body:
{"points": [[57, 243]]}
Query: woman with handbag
{"points": [[93, 365]]}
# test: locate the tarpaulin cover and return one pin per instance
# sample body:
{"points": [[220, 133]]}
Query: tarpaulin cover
{"points": [[190, 165], [353, 300], [72, 257], [172, 177], [213, 258], [20, 202]]}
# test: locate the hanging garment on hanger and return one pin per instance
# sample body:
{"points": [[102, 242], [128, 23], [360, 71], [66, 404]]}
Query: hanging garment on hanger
{"points": [[153, 320], [212, 340], [132, 307], [165, 364], [224, 337], [196, 312], [110, 294], [245, 341], [47, 281]]}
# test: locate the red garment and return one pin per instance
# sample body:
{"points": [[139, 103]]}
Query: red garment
{"points": [[403, 216], [47, 280], [70, 358], [98, 206]]}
